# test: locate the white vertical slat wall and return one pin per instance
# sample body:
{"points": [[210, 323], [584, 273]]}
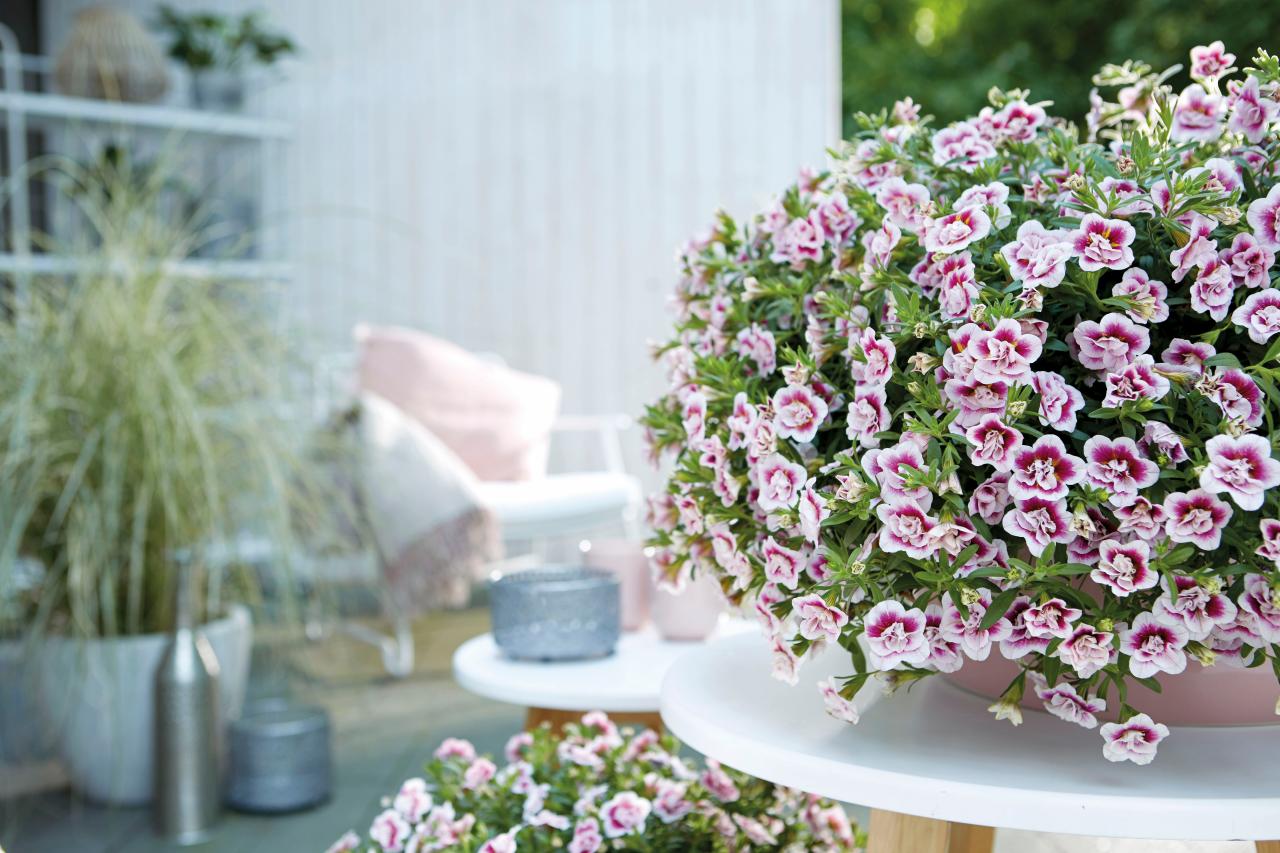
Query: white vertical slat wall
{"points": [[515, 174]]}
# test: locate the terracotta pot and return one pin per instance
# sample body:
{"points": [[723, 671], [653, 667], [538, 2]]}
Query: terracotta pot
{"points": [[625, 560], [690, 615], [1219, 695]]}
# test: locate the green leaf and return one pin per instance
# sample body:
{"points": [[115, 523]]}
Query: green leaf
{"points": [[998, 608]]}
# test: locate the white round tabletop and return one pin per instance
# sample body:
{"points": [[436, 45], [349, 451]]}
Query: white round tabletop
{"points": [[934, 751], [628, 680]]}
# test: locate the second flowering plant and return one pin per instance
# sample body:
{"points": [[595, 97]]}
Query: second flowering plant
{"points": [[596, 787], [998, 389]]}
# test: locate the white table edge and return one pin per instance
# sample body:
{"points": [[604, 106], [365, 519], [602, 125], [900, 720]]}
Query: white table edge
{"points": [[552, 699], [1008, 808]]}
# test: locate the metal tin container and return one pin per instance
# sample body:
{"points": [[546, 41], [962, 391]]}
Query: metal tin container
{"points": [[556, 613], [280, 759]]}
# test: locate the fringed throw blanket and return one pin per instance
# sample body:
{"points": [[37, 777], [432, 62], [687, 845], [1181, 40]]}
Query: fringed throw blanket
{"points": [[420, 509]]}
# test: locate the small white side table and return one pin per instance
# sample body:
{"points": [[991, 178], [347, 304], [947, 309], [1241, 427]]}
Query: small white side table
{"points": [[938, 771], [626, 684]]}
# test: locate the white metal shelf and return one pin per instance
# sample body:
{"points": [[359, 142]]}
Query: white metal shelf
{"points": [[247, 270], [53, 107]]}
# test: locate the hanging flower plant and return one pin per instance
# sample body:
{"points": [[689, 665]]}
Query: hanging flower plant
{"points": [[994, 389], [591, 788]]}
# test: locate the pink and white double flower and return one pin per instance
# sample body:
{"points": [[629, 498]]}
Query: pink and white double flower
{"points": [[871, 360], [1103, 243], [895, 635], [1039, 521], [1260, 315], [780, 482], [1138, 380], [1197, 116], [1052, 618], [956, 231], [967, 631], [624, 814], [1110, 343], [1134, 740], [817, 620], [1004, 354], [1196, 517], [867, 417], [891, 467], [1153, 646], [1119, 467], [1065, 703], [1249, 261], [1124, 567], [1087, 649], [1242, 467], [1264, 218], [1252, 112], [1186, 603], [782, 565], [1260, 601], [1059, 401], [991, 498], [1148, 296], [1038, 256], [906, 529], [993, 443], [1044, 470], [799, 412], [903, 203]]}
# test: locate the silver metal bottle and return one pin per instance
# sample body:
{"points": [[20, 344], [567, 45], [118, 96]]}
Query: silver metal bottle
{"points": [[188, 728]]}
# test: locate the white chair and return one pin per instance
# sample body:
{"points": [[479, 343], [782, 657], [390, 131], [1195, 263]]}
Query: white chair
{"points": [[556, 506]]}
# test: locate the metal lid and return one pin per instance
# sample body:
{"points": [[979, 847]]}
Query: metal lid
{"points": [[281, 720]]}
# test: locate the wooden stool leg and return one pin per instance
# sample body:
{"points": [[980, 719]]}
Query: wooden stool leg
{"points": [[967, 838], [891, 832], [1268, 846], [557, 718]]}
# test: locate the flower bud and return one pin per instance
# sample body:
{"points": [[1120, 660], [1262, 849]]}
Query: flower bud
{"points": [[857, 567], [1229, 214], [1206, 656], [1106, 624], [1075, 182], [922, 362], [1007, 709], [970, 596], [914, 388], [921, 330], [1017, 408], [978, 312], [751, 287], [1125, 164]]}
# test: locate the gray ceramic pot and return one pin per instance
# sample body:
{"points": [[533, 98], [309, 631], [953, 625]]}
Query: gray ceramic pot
{"points": [[556, 613]]}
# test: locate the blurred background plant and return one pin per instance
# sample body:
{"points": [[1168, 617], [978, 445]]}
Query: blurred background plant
{"points": [[146, 417], [207, 40], [946, 54]]}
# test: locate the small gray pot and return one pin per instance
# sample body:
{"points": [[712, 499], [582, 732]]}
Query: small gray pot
{"points": [[556, 613]]}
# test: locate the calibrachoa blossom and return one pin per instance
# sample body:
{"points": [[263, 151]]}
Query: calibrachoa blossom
{"points": [[546, 803], [895, 635], [1045, 360], [1135, 740], [1124, 568]]}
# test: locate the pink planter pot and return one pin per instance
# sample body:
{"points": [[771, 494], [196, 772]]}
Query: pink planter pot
{"points": [[691, 615], [626, 560], [1202, 696]]}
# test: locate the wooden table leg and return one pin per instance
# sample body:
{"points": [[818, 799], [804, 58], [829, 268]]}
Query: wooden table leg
{"points": [[891, 832], [1268, 846], [967, 838], [557, 718]]}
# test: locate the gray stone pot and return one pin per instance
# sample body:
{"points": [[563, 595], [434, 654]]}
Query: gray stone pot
{"points": [[99, 695], [25, 736]]}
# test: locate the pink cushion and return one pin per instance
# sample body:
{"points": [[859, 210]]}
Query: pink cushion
{"points": [[498, 420]]}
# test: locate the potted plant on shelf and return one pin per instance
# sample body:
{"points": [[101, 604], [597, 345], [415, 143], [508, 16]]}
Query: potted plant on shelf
{"points": [[997, 401], [217, 50], [595, 787], [144, 421]]}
